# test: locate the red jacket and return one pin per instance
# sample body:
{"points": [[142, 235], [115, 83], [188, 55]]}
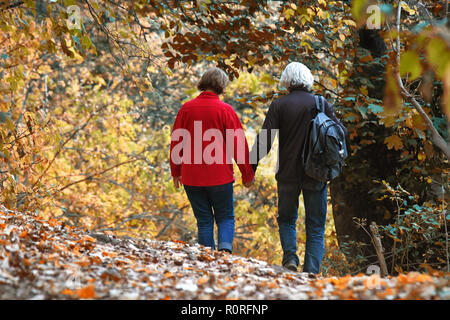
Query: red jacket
{"points": [[204, 130]]}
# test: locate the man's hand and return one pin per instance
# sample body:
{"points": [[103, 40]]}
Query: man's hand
{"points": [[176, 182], [248, 184]]}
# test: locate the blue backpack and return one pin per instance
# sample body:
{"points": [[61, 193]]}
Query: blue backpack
{"points": [[325, 149]]}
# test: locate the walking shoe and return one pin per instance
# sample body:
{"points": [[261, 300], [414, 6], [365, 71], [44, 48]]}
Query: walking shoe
{"points": [[290, 265]]}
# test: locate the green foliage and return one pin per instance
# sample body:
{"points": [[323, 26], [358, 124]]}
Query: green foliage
{"points": [[418, 231]]}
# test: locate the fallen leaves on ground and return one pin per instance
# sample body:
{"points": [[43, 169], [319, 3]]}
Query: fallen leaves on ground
{"points": [[45, 259]]}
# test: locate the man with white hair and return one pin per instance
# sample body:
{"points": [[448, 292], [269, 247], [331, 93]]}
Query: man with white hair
{"points": [[291, 115]]}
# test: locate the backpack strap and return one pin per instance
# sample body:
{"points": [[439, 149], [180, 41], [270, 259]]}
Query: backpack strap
{"points": [[315, 111], [320, 105]]}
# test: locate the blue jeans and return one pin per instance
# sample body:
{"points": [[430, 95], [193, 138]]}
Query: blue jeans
{"points": [[315, 218], [209, 204]]}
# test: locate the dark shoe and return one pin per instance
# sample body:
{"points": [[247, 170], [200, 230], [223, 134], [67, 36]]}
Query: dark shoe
{"points": [[225, 250], [290, 265]]}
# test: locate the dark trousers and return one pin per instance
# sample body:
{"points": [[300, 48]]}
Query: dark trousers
{"points": [[315, 218]]}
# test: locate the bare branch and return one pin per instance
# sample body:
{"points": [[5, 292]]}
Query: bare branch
{"points": [[62, 146], [169, 223], [378, 248], [14, 5], [446, 9], [436, 138], [98, 173]]}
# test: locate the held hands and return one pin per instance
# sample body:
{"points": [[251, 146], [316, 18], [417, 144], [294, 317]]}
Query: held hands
{"points": [[248, 184], [176, 182]]}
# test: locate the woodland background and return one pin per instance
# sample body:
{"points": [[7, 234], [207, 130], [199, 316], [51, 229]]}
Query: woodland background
{"points": [[89, 91]]}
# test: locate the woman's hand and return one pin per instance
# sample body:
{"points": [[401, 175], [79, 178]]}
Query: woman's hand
{"points": [[176, 182]]}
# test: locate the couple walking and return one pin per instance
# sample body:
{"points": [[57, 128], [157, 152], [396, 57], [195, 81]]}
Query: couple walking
{"points": [[211, 128]]}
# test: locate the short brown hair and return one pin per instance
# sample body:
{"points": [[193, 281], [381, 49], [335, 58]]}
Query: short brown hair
{"points": [[214, 79]]}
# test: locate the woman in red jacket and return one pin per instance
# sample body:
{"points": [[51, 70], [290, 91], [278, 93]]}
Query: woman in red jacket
{"points": [[206, 136]]}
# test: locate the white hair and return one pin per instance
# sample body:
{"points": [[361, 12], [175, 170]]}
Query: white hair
{"points": [[297, 75]]}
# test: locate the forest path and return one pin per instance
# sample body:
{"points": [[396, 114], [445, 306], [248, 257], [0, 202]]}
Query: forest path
{"points": [[44, 259]]}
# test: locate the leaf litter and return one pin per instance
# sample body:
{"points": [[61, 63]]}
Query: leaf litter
{"points": [[46, 259]]}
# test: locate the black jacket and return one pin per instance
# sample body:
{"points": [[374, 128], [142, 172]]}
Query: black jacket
{"points": [[291, 115]]}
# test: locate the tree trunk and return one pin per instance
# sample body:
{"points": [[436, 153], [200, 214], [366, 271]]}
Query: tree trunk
{"points": [[350, 192], [351, 198]]}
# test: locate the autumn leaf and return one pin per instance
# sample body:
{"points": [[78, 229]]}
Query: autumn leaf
{"points": [[394, 141], [367, 58], [438, 55], [405, 7], [68, 292], [410, 63], [83, 263], [88, 238], [363, 90], [86, 292], [288, 13], [358, 9]]}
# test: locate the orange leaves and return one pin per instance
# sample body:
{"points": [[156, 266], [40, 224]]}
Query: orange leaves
{"points": [[288, 276], [109, 254], [318, 293], [389, 292], [394, 141], [205, 257], [414, 277], [367, 58], [76, 250], [114, 275], [202, 281], [87, 292], [26, 262], [371, 282], [87, 242], [418, 122], [269, 284], [272, 285], [53, 222], [129, 270], [95, 260], [67, 292], [341, 283], [83, 263], [19, 135]]}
